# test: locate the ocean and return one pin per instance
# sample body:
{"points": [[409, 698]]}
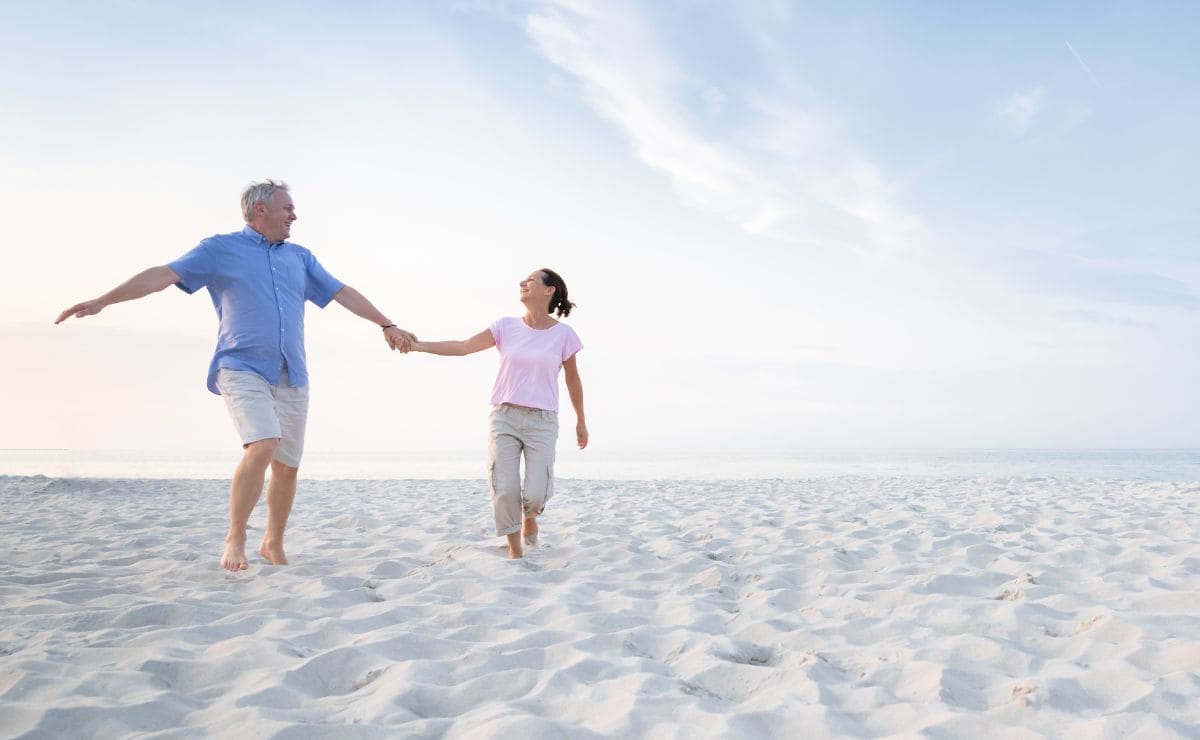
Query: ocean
{"points": [[1128, 464]]}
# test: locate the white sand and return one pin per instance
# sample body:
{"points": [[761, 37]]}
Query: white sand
{"points": [[845, 607]]}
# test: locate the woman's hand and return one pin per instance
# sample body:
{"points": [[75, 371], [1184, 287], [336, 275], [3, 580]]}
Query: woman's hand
{"points": [[581, 434], [399, 339]]}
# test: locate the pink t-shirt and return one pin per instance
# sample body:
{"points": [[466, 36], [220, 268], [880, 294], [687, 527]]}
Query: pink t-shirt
{"points": [[529, 362]]}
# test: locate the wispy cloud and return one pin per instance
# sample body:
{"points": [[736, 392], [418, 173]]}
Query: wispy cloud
{"points": [[1087, 281], [1020, 109], [785, 173], [1083, 64]]}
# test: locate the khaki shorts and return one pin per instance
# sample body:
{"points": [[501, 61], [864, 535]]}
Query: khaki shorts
{"points": [[264, 411]]}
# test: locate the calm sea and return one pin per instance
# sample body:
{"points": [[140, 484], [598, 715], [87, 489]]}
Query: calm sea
{"points": [[1153, 465]]}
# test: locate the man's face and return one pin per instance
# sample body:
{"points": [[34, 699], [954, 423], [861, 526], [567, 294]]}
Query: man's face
{"points": [[277, 216]]}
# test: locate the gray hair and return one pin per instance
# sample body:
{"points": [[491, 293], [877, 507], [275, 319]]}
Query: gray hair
{"points": [[259, 192]]}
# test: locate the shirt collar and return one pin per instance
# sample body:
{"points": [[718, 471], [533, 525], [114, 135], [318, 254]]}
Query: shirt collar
{"points": [[258, 238]]}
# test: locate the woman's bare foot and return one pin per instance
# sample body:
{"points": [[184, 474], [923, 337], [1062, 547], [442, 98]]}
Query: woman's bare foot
{"points": [[529, 532], [234, 557], [272, 553], [514, 546]]}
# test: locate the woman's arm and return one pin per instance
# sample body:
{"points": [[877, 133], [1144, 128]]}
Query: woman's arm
{"points": [[481, 341], [575, 389]]}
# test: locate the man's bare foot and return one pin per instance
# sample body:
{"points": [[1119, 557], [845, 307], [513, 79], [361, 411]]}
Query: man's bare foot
{"points": [[529, 532], [234, 557], [273, 554]]}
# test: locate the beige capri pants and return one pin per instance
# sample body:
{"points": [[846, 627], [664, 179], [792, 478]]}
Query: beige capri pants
{"points": [[513, 430]]}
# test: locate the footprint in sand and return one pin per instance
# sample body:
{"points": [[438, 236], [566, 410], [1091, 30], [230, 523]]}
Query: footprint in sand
{"points": [[745, 653], [1087, 625], [1079, 628], [368, 678], [371, 585], [1023, 694], [1016, 594]]}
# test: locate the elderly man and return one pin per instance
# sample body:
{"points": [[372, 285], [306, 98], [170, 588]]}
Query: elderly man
{"points": [[258, 282]]}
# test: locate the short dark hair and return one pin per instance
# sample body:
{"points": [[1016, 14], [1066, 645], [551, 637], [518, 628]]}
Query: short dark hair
{"points": [[559, 301]]}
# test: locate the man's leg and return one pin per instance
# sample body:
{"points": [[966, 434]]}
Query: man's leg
{"points": [[281, 491], [251, 403], [244, 490], [291, 408]]}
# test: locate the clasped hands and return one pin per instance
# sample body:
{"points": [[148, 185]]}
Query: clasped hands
{"points": [[398, 339]]}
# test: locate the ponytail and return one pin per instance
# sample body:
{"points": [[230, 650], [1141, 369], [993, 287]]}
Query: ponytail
{"points": [[559, 300]]}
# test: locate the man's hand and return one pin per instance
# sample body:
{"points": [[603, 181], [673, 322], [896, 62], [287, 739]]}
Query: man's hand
{"points": [[140, 285], [398, 339], [79, 310], [581, 435]]}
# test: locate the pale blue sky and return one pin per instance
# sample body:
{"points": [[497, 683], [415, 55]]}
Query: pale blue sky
{"points": [[785, 225]]}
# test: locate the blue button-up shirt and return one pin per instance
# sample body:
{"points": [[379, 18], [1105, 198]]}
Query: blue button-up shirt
{"points": [[259, 290]]}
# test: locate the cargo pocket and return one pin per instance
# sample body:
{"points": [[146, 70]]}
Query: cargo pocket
{"points": [[549, 487]]}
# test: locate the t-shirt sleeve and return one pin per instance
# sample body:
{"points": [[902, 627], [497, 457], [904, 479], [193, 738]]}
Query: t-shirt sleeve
{"points": [[321, 286], [195, 269], [497, 329], [571, 345]]}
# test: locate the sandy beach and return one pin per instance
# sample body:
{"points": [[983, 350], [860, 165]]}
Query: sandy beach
{"points": [[844, 607]]}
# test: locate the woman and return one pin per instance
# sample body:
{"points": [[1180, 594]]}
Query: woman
{"points": [[524, 416]]}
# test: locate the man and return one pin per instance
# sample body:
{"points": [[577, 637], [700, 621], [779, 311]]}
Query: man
{"points": [[258, 282]]}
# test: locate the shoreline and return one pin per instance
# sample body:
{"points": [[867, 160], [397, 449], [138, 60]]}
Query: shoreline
{"points": [[1142, 465]]}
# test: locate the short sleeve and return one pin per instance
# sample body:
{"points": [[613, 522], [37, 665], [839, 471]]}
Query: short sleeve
{"points": [[195, 269], [571, 345], [497, 329], [320, 286]]}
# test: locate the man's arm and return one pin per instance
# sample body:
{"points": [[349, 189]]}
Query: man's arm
{"points": [[575, 389], [357, 304], [140, 285]]}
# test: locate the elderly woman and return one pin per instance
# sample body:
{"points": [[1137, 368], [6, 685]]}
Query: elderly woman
{"points": [[524, 419]]}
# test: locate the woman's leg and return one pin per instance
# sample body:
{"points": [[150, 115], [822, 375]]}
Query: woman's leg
{"points": [[540, 436], [504, 477]]}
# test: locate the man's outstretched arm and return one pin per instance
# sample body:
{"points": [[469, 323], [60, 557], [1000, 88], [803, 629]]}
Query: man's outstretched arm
{"points": [[357, 304], [140, 285]]}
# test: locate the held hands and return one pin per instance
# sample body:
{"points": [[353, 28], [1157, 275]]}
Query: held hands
{"points": [[581, 434], [79, 310], [398, 339]]}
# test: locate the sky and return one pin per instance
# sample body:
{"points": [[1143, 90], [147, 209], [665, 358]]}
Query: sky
{"points": [[786, 225]]}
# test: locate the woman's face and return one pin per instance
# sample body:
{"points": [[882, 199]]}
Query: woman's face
{"points": [[534, 291]]}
